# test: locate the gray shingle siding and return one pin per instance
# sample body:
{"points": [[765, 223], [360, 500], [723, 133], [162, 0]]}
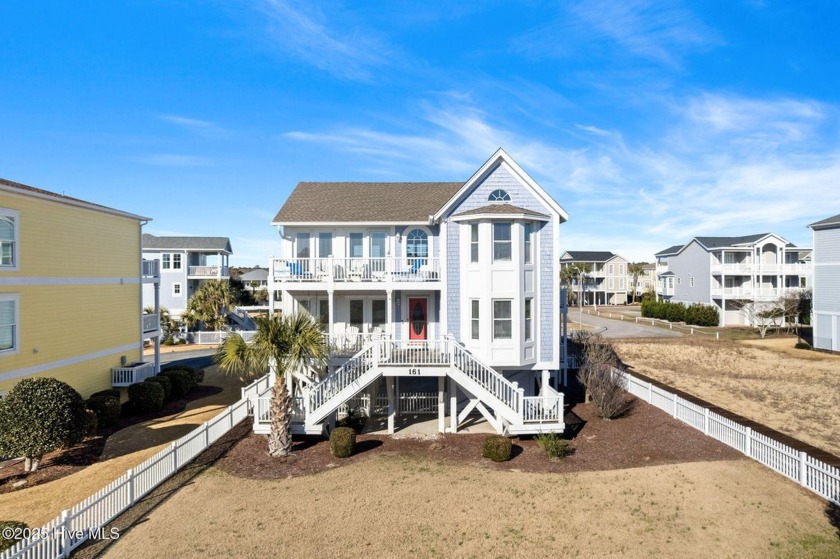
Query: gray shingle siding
{"points": [[548, 306], [827, 270], [693, 261], [453, 279]]}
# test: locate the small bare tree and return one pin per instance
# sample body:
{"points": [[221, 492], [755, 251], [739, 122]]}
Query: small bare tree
{"points": [[764, 315], [601, 376]]}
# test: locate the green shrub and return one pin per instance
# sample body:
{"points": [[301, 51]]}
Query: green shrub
{"points": [[145, 396], [802, 345], [91, 423], [107, 408], [11, 532], [182, 381], [182, 341], [168, 341], [110, 393], [342, 442], [497, 448], [40, 415], [553, 445], [166, 383], [702, 315], [198, 374]]}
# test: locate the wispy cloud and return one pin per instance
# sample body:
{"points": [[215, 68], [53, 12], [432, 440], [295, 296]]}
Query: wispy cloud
{"points": [[652, 30], [173, 160], [698, 176], [345, 49]]}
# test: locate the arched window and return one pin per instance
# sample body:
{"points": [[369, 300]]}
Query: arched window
{"points": [[417, 244], [499, 195]]}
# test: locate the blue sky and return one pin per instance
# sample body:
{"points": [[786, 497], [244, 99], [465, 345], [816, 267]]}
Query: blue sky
{"points": [[649, 121]]}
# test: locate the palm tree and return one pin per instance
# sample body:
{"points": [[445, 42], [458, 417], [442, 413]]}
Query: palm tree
{"points": [[635, 269], [209, 304], [167, 324], [289, 344]]}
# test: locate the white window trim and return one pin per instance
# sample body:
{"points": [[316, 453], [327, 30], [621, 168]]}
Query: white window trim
{"points": [[15, 215], [509, 241], [509, 319], [180, 261], [475, 243], [15, 298], [180, 292], [475, 319], [528, 322]]}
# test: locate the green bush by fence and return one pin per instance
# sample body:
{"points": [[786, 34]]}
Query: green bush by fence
{"points": [[696, 314]]}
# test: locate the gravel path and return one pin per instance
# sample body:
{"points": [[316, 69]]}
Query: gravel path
{"points": [[624, 328]]}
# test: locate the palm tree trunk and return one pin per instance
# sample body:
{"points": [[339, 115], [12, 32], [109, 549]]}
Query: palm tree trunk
{"points": [[280, 439]]}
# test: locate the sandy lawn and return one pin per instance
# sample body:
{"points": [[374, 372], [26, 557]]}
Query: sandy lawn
{"points": [[793, 391], [393, 506]]}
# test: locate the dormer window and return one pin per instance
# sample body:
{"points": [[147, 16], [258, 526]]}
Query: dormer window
{"points": [[499, 195]]}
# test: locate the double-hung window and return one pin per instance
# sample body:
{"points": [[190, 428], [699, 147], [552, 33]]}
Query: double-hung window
{"points": [[8, 323], [8, 239], [474, 242], [166, 261], [501, 242], [502, 320], [474, 319], [325, 245], [527, 235], [356, 248], [529, 320], [304, 248], [176, 261], [176, 289], [378, 314]]}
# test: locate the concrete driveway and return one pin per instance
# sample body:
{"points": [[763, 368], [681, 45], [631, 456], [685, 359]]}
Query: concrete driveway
{"points": [[623, 328]]}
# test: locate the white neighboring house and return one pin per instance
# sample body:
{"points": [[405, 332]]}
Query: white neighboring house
{"points": [[255, 280], [185, 263], [732, 272], [606, 282], [450, 290], [826, 283], [644, 283]]}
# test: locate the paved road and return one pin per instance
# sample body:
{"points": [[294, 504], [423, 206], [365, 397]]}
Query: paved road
{"points": [[623, 328], [199, 358]]}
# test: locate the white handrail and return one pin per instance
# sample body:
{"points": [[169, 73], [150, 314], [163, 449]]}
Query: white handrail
{"points": [[493, 382]]}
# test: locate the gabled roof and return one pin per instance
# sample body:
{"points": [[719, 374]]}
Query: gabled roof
{"points": [[829, 221], [586, 256], [361, 202], [501, 209], [18, 188], [215, 244], [497, 159], [669, 251], [723, 242]]}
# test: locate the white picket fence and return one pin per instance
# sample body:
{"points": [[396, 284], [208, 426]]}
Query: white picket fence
{"points": [[799, 466], [86, 519]]}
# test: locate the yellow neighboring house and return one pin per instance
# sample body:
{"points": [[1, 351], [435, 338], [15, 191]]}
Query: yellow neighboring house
{"points": [[70, 292]]}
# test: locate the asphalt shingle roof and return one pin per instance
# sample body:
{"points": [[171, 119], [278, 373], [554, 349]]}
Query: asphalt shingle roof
{"points": [[722, 242], [834, 220], [587, 256], [365, 201], [218, 244], [259, 274], [670, 250], [501, 209]]}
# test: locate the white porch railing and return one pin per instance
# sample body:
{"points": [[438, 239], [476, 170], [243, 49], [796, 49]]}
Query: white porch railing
{"points": [[543, 409], [350, 343], [131, 374], [417, 352], [760, 268], [217, 337], [343, 377], [151, 323], [799, 466], [208, 271], [150, 268], [490, 380], [334, 269]]}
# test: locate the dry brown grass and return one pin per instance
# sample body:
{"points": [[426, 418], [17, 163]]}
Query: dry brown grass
{"points": [[793, 391], [392, 506]]}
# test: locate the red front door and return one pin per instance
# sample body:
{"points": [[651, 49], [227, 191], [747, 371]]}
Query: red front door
{"points": [[417, 319]]}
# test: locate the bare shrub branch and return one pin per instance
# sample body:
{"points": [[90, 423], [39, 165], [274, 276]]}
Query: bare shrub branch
{"points": [[598, 376]]}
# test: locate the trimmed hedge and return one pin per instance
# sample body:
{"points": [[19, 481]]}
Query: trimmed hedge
{"points": [[696, 314], [40, 415], [109, 393], [497, 448], [182, 381], [91, 423], [342, 442], [165, 383], [107, 408], [11, 528], [145, 396]]}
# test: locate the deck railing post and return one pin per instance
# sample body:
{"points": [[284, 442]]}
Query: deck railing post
{"points": [[650, 392], [675, 406], [705, 421], [130, 481], [65, 533], [748, 442]]}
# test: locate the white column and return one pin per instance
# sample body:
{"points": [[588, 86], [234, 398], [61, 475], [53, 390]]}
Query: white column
{"points": [[389, 309], [546, 375], [331, 310], [441, 404], [157, 338], [453, 406], [389, 387]]}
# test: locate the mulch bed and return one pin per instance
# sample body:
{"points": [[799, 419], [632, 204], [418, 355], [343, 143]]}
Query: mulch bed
{"points": [[645, 436], [61, 463]]}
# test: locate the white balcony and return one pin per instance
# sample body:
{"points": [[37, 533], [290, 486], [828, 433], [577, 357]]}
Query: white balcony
{"points": [[747, 292], [151, 324], [150, 271], [749, 268], [131, 374], [211, 272], [360, 270]]}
